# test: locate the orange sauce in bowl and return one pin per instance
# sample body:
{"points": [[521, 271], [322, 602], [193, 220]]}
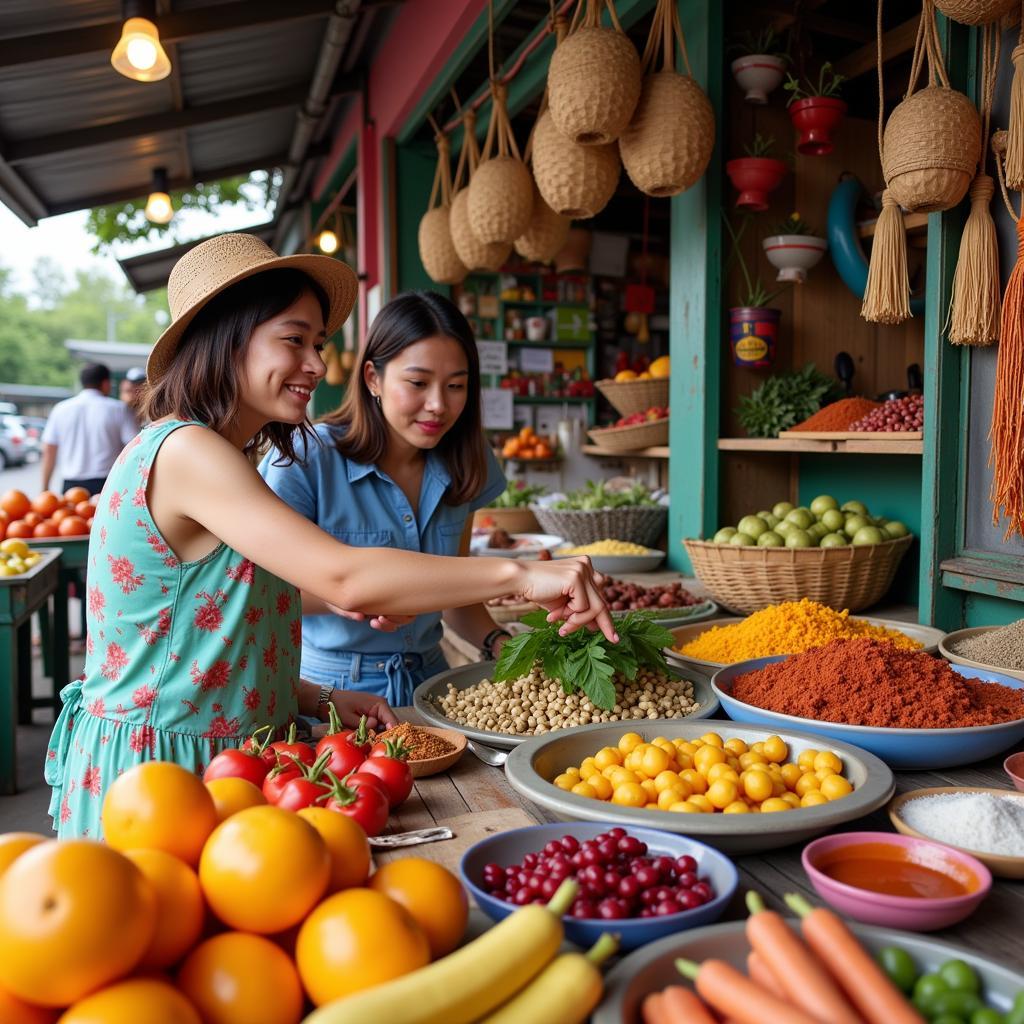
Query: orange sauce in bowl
{"points": [[915, 872]]}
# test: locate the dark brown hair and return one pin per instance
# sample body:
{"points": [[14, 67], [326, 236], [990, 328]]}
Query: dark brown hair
{"points": [[202, 381], [405, 320]]}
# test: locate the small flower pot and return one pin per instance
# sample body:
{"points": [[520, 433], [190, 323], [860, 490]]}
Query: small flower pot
{"points": [[794, 255], [758, 74], [755, 177], [815, 118], [753, 331]]}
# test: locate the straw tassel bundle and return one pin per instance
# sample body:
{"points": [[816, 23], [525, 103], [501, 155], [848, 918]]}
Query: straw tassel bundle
{"points": [[976, 12], [594, 78], [1014, 168], [667, 145], [437, 251]]}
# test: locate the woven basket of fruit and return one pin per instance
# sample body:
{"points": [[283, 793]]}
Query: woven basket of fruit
{"points": [[601, 510], [652, 430], [630, 396]]}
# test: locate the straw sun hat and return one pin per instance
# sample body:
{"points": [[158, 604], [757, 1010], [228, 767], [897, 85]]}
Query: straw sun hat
{"points": [[218, 263]]}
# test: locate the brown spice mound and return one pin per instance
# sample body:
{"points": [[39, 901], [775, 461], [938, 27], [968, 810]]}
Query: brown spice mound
{"points": [[868, 682], [420, 743], [839, 415]]}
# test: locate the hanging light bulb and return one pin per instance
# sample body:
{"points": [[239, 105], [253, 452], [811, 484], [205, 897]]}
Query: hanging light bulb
{"points": [[159, 208], [327, 242], [138, 54]]}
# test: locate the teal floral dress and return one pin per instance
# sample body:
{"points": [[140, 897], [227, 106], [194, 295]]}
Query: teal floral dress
{"points": [[183, 659]]}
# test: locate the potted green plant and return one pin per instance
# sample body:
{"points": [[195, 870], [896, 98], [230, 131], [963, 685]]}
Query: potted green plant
{"points": [[794, 247], [815, 109], [753, 323], [761, 67], [756, 174]]}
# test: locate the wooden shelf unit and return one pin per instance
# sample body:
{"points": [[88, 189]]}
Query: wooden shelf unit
{"points": [[658, 451], [788, 446]]}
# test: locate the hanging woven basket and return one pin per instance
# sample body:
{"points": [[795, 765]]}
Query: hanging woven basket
{"points": [[976, 12], [594, 78], [575, 181], [437, 251], [545, 234]]}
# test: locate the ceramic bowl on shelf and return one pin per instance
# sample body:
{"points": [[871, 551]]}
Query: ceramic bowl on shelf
{"points": [[1004, 867], [916, 884], [524, 545], [947, 648], [508, 848], [615, 564], [900, 748], [533, 765]]}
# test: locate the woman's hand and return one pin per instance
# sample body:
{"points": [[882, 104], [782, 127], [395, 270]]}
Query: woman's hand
{"points": [[382, 623], [351, 705], [569, 589]]}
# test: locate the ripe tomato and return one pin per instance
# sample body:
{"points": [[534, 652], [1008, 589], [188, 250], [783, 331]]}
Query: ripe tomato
{"points": [[232, 795], [73, 526], [395, 775], [73, 495], [237, 764], [358, 737], [277, 778], [74, 915], [344, 757], [364, 802], [135, 999], [356, 939], [288, 747], [263, 869], [346, 844], [46, 503], [19, 528], [259, 744], [60, 515], [236, 977], [16, 1011], [180, 910], [15, 504], [32, 518], [302, 792], [14, 844], [85, 510], [162, 806], [432, 895], [44, 529]]}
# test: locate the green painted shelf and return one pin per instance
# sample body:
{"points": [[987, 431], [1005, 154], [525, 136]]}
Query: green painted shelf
{"points": [[548, 399]]}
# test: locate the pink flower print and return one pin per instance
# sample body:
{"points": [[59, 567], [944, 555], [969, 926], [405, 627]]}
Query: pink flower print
{"points": [[253, 615], [284, 602], [143, 738], [270, 654], [243, 662], [157, 543], [123, 572], [222, 727], [91, 780], [193, 709], [296, 632], [103, 536], [127, 448], [272, 704], [214, 678], [96, 707], [162, 629], [114, 502], [251, 698], [115, 661], [144, 696], [65, 811], [89, 646], [97, 602], [244, 572], [139, 497], [208, 616]]}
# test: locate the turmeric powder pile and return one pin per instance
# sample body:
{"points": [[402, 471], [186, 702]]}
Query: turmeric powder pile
{"points": [[788, 628]]}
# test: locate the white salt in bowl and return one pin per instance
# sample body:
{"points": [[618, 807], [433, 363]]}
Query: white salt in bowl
{"points": [[1004, 867], [949, 642]]}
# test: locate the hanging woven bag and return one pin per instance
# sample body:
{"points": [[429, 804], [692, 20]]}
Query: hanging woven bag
{"points": [[437, 251], [476, 255], [501, 191], [668, 143], [594, 78], [976, 12]]}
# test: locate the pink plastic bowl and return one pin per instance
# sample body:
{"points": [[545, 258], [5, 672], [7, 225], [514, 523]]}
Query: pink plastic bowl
{"points": [[1014, 767], [914, 914]]}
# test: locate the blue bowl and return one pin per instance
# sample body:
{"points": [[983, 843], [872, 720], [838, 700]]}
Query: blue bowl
{"points": [[899, 748], [510, 847]]}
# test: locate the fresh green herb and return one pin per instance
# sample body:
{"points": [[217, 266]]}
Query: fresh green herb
{"points": [[828, 84], [786, 399], [595, 495], [762, 145], [754, 294], [794, 224], [585, 660], [766, 41], [517, 495]]}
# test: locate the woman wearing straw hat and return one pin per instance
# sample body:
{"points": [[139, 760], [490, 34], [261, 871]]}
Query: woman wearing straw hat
{"points": [[403, 463], [195, 566]]}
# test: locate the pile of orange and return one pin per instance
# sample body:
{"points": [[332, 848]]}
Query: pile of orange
{"points": [[47, 515], [528, 445], [206, 905]]}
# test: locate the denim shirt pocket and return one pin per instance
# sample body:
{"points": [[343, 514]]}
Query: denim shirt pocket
{"points": [[365, 538]]}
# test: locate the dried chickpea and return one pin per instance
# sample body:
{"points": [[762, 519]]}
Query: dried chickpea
{"points": [[834, 787], [791, 774], [758, 747], [647, 785], [776, 749], [773, 804], [813, 798], [826, 759], [807, 783], [601, 786], [751, 757], [722, 793], [736, 746], [668, 797], [791, 798], [606, 757], [667, 745], [629, 794], [628, 741], [610, 771], [584, 789], [736, 807], [574, 772], [778, 786], [666, 780], [702, 802], [654, 761], [565, 781], [685, 747], [706, 757], [712, 739], [806, 758], [686, 807], [623, 777], [587, 766], [632, 759], [758, 786], [733, 762], [694, 780], [823, 773], [761, 767], [651, 807], [683, 760]]}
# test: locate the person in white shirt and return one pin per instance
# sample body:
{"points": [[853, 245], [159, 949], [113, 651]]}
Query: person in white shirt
{"points": [[86, 433]]}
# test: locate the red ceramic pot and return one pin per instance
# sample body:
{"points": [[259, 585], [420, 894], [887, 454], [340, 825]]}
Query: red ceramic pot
{"points": [[815, 118], [755, 177]]}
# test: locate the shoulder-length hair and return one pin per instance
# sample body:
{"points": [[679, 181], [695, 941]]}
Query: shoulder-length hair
{"points": [[407, 319], [202, 382]]}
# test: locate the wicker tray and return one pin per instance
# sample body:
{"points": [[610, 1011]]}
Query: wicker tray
{"points": [[629, 439], [630, 396], [638, 524], [745, 579]]}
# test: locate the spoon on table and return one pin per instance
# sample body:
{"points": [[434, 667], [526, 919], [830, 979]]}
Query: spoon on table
{"points": [[489, 755]]}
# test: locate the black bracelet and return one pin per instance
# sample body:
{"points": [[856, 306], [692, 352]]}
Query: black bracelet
{"points": [[488, 642]]}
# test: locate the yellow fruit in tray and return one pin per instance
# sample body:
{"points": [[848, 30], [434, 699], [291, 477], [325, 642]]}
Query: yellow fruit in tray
{"points": [[661, 367], [625, 375], [13, 546]]}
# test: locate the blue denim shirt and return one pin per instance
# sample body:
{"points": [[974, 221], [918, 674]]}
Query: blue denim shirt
{"points": [[362, 506]]}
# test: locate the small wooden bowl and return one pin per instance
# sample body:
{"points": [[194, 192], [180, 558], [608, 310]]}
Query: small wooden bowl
{"points": [[432, 765]]}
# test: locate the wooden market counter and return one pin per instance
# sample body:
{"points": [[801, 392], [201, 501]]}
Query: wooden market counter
{"points": [[476, 800]]}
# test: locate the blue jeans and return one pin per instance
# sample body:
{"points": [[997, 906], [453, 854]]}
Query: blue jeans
{"points": [[391, 676]]}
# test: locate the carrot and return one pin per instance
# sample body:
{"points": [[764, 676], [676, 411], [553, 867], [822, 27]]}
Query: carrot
{"points": [[734, 995], [760, 973], [653, 1009], [683, 1007], [867, 985], [801, 976]]}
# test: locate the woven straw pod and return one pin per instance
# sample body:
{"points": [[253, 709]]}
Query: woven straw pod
{"points": [[437, 251], [976, 12], [594, 79], [575, 181], [475, 254], [500, 200], [546, 233], [930, 149]]}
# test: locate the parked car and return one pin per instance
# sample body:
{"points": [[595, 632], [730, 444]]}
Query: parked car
{"points": [[34, 432], [14, 442]]}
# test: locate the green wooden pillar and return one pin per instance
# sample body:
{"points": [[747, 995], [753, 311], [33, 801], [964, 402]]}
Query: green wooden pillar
{"points": [[695, 306], [414, 176]]}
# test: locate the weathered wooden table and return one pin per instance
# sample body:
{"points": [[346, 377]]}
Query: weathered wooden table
{"points": [[480, 799]]}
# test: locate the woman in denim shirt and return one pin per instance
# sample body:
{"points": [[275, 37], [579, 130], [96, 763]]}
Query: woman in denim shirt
{"points": [[403, 463]]}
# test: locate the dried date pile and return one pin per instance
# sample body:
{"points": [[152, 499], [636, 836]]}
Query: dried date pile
{"points": [[622, 596]]}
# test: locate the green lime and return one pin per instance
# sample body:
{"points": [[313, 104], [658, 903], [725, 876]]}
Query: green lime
{"points": [[960, 976], [956, 1002], [770, 539], [822, 503], [817, 530], [780, 508], [833, 519], [854, 523], [894, 529], [724, 534], [741, 540], [855, 506], [771, 520], [927, 989], [782, 527], [868, 535], [799, 539], [834, 540], [986, 1015], [899, 965], [752, 526], [800, 518]]}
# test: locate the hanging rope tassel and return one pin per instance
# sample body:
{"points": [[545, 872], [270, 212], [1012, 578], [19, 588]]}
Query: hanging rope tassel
{"points": [[974, 312], [887, 295], [1015, 142]]}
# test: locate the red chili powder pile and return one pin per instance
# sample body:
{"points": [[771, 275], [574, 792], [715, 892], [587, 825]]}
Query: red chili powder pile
{"points": [[839, 415], [868, 682]]}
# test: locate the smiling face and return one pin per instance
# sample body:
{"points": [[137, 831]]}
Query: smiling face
{"points": [[282, 365], [422, 391]]}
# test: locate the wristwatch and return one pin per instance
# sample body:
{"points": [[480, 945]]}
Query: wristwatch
{"points": [[323, 702], [488, 642]]}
